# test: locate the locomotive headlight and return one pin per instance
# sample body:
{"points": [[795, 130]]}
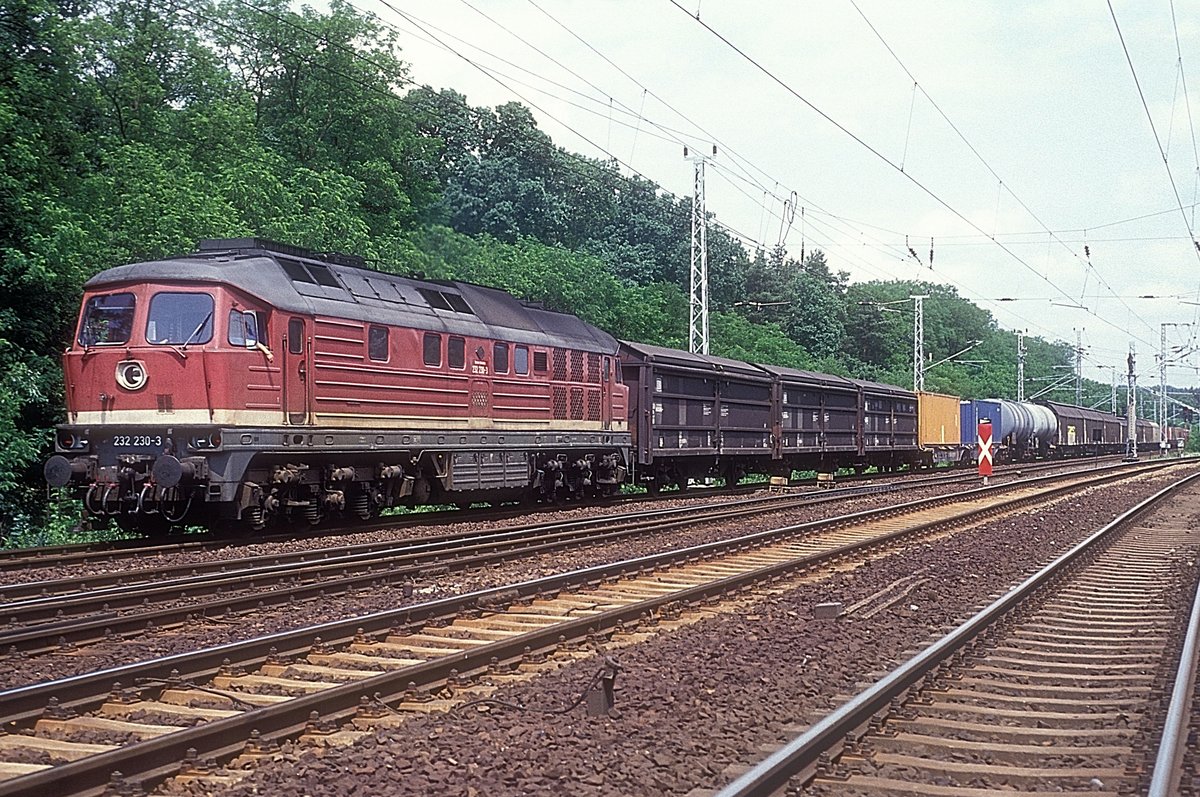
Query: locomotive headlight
{"points": [[131, 374], [71, 441], [206, 440]]}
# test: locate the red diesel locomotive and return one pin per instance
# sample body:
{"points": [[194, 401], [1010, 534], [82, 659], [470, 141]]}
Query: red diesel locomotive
{"points": [[251, 380]]}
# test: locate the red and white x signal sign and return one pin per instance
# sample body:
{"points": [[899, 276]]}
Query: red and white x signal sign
{"points": [[985, 448]]}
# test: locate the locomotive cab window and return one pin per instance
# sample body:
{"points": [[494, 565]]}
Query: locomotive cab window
{"points": [[180, 319], [456, 353], [521, 360], [377, 343], [432, 349], [243, 329], [500, 358], [107, 319]]}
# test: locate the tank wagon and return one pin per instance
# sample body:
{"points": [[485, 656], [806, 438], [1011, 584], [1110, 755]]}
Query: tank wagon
{"points": [[1021, 430], [251, 380]]}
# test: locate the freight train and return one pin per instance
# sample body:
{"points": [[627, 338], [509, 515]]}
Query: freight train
{"points": [[251, 382]]}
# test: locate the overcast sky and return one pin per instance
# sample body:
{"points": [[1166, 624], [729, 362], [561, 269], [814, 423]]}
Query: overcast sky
{"points": [[1041, 91]]}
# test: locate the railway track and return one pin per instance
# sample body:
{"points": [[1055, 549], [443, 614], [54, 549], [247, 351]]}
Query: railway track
{"points": [[238, 699], [18, 559], [44, 616], [1056, 687]]}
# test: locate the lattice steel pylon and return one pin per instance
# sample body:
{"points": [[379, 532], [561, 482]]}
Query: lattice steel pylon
{"points": [[1162, 387], [698, 308], [1021, 366], [1131, 453], [918, 341], [1078, 367], [1162, 383]]}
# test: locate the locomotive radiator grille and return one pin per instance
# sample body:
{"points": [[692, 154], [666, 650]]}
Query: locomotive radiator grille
{"points": [[593, 405], [577, 404], [558, 401]]}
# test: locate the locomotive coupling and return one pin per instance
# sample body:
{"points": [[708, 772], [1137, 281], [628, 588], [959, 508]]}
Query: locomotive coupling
{"points": [[60, 471], [169, 471]]}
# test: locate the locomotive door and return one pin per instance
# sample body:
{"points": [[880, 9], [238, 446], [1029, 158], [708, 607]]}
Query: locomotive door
{"points": [[480, 395], [295, 372]]}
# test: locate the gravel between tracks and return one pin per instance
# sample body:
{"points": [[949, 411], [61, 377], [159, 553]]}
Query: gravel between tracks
{"points": [[693, 701], [19, 671]]}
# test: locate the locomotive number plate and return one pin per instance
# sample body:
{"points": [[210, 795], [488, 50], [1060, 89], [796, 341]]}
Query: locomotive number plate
{"points": [[137, 440]]}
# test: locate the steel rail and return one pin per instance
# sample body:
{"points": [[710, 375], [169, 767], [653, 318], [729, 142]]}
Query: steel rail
{"points": [[14, 559], [1168, 764], [391, 568], [23, 704], [57, 590], [158, 758], [803, 752], [376, 566]]}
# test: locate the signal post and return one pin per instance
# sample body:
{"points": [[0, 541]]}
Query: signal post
{"points": [[985, 449]]}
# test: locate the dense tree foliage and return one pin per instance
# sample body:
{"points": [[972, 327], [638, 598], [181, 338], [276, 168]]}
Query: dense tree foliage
{"points": [[130, 130]]}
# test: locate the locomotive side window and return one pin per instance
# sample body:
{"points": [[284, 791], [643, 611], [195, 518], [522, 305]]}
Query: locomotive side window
{"points": [[500, 358], [432, 347], [243, 329], [605, 374], [107, 319], [521, 364], [295, 336], [377, 343], [540, 362], [180, 319], [456, 353]]}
